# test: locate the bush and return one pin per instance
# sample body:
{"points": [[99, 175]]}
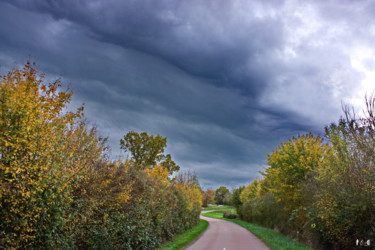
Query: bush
{"points": [[320, 193], [230, 215], [58, 188], [345, 202], [37, 167]]}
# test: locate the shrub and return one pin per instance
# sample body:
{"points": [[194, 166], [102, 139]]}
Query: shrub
{"points": [[230, 215], [37, 170], [345, 202], [58, 188]]}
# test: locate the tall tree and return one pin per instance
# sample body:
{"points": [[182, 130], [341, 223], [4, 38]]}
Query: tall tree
{"points": [[147, 150]]}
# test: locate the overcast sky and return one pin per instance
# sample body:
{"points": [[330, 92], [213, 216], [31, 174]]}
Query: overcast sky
{"points": [[226, 81]]}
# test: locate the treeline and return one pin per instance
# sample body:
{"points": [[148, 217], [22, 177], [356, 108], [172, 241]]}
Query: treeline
{"points": [[59, 188], [319, 190]]}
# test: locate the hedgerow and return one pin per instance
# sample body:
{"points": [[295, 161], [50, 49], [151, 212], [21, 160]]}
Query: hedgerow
{"points": [[59, 188]]}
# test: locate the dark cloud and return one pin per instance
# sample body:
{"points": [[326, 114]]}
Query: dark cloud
{"points": [[225, 81]]}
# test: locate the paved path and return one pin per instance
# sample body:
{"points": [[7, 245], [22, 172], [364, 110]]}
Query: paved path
{"points": [[225, 235]]}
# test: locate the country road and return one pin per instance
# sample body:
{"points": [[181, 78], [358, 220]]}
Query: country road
{"points": [[225, 235]]}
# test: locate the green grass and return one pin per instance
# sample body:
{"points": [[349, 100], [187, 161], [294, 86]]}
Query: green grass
{"points": [[218, 208], [268, 236], [184, 239]]}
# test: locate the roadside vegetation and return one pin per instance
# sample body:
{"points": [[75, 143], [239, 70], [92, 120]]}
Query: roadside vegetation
{"points": [[317, 190], [219, 208], [186, 238], [60, 189], [271, 238]]}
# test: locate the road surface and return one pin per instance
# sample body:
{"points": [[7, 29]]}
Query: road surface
{"points": [[225, 235]]}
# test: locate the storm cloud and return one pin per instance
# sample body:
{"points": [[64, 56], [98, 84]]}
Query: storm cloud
{"points": [[225, 81]]}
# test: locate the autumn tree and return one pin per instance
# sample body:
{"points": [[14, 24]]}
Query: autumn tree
{"points": [[36, 168], [250, 192], [220, 194], [59, 188], [208, 197], [187, 184], [147, 150], [320, 192], [291, 166], [345, 201]]}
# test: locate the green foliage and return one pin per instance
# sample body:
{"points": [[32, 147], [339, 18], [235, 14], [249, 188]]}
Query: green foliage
{"points": [[230, 215], [322, 194], [290, 166], [250, 192], [184, 239], [273, 239], [345, 203], [36, 168], [218, 208], [279, 201], [147, 150], [220, 194], [236, 197]]}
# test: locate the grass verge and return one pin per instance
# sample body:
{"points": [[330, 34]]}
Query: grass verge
{"points": [[272, 239], [219, 208], [184, 239]]}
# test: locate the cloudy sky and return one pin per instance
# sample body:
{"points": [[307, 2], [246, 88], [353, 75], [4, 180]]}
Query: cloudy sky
{"points": [[226, 81]]}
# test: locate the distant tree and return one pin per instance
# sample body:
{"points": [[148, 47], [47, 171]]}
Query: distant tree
{"points": [[187, 178], [211, 195], [250, 192], [228, 198], [236, 197], [147, 150], [208, 197], [220, 194]]}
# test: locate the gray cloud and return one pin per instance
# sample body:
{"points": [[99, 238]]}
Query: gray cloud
{"points": [[224, 81]]}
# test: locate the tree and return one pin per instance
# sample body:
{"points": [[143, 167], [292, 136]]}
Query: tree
{"points": [[236, 197], [291, 164], [345, 202], [250, 192], [208, 197], [37, 167], [220, 194], [147, 150]]}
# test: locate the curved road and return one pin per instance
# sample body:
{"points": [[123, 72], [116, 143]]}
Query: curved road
{"points": [[225, 235]]}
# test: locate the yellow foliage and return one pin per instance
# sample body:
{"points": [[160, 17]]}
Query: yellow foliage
{"points": [[37, 167], [192, 194], [56, 182], [290, 165], [158, 172], [251, 191]]}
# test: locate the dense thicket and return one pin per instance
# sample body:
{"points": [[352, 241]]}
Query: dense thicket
{"points": [[321, 193], [59, 188]]}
